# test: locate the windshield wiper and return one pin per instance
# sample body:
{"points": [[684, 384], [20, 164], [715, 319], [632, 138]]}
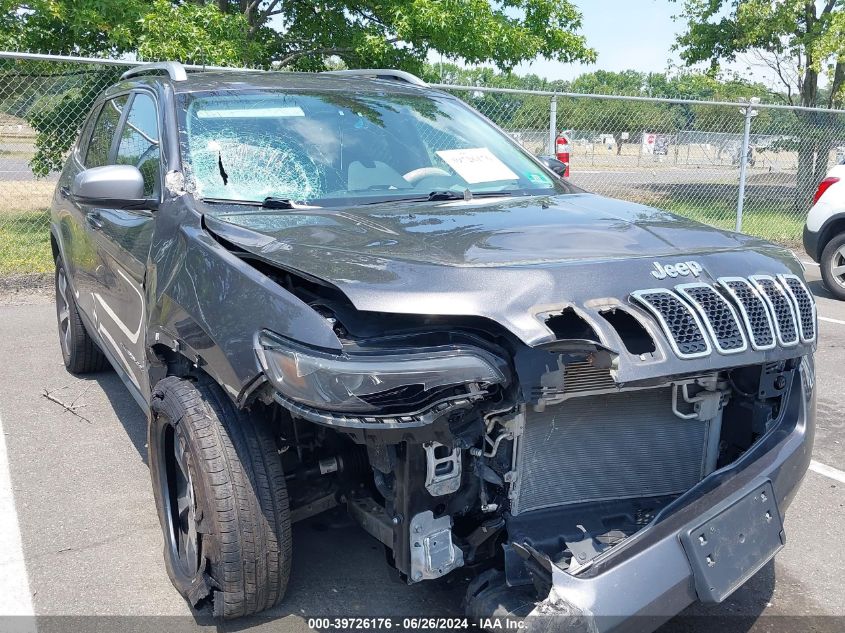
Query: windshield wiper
{"points": [[436, 196], [270, 202]]}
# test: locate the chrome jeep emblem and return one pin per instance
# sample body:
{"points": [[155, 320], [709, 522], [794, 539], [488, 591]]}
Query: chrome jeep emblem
{"points": [[681, 269]]}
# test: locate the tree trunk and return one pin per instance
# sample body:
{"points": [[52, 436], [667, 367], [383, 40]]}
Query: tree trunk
{"points": [[810, 159], [806, 178]]}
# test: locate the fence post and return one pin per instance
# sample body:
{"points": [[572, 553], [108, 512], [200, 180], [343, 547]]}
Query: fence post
{"points": [[750, 113], [552, 125]]}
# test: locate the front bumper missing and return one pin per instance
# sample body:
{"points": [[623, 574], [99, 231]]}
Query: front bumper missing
{"points": [[651, 577]]}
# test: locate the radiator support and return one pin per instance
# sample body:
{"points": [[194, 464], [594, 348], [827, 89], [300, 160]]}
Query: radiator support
{"points": [[611, 446]]}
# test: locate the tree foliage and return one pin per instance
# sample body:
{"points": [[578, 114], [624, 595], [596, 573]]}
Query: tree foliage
{"points": [[287, 34], [798, 39], [302, 33]]}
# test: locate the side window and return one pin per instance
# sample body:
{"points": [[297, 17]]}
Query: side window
{"points": [[139, 142], [97, 154]]}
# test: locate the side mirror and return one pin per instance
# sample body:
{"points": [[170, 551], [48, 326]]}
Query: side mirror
{"points": [[554, 164], [114, 186]]}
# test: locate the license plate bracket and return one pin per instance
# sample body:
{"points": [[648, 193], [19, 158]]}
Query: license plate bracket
{"points": [[734, 542]]}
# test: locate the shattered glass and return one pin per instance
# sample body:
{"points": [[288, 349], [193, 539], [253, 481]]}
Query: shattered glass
{"points": [[224, 166], [330, 148]]}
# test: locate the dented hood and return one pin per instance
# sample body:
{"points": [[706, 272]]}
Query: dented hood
{"points": [[507, 259]]}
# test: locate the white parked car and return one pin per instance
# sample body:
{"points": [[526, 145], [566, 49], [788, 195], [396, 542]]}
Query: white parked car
{"points": [[824, 233]]}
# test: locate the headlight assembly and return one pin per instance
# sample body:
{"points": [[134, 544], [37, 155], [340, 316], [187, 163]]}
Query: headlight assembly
{"points": [[369, 380]]}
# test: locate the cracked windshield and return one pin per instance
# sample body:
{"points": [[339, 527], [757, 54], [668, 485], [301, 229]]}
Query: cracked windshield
{"points": [[329, 149]]}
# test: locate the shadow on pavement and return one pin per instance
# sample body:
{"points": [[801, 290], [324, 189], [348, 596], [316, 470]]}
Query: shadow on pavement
{"points": [[818, 289], [737, 614], [130, 415], [340, 571]]}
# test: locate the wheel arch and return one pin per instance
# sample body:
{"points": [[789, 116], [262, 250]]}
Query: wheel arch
{"points": [[830, 229], [54, 245]]}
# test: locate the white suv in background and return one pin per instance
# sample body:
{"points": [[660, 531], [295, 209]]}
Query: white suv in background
{"points": [[824, 233]]}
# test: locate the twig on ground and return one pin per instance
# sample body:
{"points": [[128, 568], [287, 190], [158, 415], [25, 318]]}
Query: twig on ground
{"points": [[70, 408], [84, 391]]}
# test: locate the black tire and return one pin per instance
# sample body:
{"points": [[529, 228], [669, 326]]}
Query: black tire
{"points": [[79, 351], [833, 257], [234, 495]]}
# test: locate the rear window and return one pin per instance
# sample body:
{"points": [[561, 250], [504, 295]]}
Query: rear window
{"points": [[335, 148]]}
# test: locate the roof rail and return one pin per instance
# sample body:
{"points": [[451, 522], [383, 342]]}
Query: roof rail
{"points": [[381, 73], [174, 70]]}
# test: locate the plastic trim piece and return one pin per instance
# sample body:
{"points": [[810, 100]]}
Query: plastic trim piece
{"points": [[784, 281], [683, 289], [757, 281], [638, 295], [725, 282]]}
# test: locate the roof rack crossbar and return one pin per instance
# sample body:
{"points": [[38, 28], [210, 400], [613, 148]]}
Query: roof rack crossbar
{"points": [[381, 73], [174, 70]]}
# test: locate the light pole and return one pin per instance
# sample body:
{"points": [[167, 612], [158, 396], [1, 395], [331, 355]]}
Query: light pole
{"points": [[749, 112]]}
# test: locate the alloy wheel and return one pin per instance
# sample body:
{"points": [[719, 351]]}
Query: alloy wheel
{"points": [[182, 511], [837, 266], [63, 311]]}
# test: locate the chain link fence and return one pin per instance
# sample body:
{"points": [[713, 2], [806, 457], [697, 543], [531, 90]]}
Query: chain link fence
{"points": [[681, 155], [684, 156], [42, 105]]}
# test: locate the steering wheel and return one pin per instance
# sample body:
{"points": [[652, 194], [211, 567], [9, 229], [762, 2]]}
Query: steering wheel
{"points": [[415, 175]]}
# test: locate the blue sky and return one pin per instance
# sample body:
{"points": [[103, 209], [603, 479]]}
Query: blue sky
{"points": [[632, 34]]}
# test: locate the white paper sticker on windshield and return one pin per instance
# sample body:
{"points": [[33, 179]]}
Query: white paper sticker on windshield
{"points": [[476, 164]]}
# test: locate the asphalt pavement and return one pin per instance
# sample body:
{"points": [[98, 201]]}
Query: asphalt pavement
{"points": [[79, 534]]}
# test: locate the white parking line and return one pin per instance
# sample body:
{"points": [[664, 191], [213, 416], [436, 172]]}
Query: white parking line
{"points": [[808, 263], [829, 320], [827, 471], [15, 598]]}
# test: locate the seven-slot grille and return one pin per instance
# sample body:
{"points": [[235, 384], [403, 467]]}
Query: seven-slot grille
{"points": [[781, 308], [678, 321], [772, 311], [718, 315]]}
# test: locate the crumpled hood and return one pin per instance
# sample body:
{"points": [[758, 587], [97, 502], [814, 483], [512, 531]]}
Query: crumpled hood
{"points": [[507, 259], [489, 232]]}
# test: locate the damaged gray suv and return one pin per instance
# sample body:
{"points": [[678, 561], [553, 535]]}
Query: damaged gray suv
{"points": [[350, 289]]}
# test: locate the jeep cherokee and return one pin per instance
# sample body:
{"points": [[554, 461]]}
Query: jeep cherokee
{"points": [[350, 289]]}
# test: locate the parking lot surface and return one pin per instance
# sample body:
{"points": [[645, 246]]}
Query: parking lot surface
{"points": [[89, 541]]}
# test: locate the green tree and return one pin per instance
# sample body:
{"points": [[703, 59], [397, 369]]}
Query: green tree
{"points": [[302, 33], [288, 34], [796, 38]]}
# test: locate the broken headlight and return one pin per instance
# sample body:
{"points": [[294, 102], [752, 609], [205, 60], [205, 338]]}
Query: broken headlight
{"points": [[366, 381]]}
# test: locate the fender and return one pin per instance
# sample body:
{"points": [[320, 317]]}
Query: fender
{"points": [[196, 287]]}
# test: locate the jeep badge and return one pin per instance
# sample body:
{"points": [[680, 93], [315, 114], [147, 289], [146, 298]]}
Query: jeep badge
{"points": [[674, 270]]}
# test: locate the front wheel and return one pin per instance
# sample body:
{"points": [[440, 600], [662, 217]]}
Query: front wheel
{"points": [[832, 264], [221, 499]]}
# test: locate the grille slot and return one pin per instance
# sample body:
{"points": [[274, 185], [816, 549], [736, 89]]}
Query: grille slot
{"points": [[780, 307], [613, 446], [680, 324], [582, 377], [753, 310], [579, 378], [718, 316], [804, 305]]}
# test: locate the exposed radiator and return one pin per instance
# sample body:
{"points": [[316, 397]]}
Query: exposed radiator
{"points": [[613, 446]]}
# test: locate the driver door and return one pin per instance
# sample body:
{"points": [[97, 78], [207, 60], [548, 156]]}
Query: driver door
{"points": [[123, 243]]}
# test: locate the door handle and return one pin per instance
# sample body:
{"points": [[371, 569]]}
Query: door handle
{"points": [[94, 220]]}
